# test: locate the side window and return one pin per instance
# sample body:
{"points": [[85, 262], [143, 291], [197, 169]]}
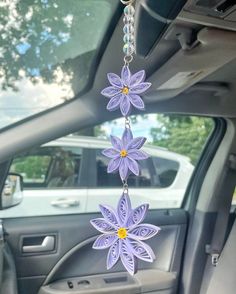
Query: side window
{"points": [[105, 180], [33, 168], [155, 172], [49, 167], [166, 171], [69, 175]]}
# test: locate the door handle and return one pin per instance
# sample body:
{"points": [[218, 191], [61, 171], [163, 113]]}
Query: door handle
{"points": [[48, 244], [65, 203]]}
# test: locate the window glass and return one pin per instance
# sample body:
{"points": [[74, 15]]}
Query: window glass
{"points": [[33, 169], [166, 171], [154, 172], [69, 175], [47, 48], [49, 167]]}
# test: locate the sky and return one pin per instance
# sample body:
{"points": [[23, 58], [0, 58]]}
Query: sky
{"points": [[141, 128]]}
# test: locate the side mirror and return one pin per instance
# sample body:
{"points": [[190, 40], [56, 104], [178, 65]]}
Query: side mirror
{"points": [[12, 193]]}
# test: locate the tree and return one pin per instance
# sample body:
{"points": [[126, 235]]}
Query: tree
{"points": [[45, 38], [185, 135]]}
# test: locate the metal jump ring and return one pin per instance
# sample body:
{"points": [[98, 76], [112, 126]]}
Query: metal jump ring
{"points": [[128, 59], [127, 123], [125, 188]]}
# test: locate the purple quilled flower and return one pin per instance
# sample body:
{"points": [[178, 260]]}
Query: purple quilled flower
{"points": [[123, 233], [125, 153], [125, 90]]}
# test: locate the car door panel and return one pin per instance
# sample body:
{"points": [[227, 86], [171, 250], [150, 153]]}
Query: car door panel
{"points": [[73, 255], [118, 283]]}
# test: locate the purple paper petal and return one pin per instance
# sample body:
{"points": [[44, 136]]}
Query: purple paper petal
{"points": [[143, 232], [114, 102], [128, 259], [137, 215], [104, 241], [136, 143], [137, 78], [123, 169], [125, 75], [102, 226], [136, 101], [137, 154], [125, 105], [127, 137], [113, 254], [141, 88], [124, 209], [109, 215], [110, 92], [141, 250], [132, 166], [115, 80], [114, 165], [110, 152], [116, 142]]}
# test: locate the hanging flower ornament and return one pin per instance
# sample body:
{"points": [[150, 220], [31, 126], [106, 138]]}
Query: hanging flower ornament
{"points": [[125, 154], [124, 235], [125, 91], [122, 230]]}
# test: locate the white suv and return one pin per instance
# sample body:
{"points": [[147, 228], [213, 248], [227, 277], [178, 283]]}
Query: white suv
{"points": [[69, 175]]}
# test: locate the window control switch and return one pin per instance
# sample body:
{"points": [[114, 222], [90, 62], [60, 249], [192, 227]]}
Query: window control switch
{"points": [[70, 284]]}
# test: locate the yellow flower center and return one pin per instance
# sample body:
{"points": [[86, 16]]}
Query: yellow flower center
{"points": [[123, 153], [125, 90], [122, 233]]}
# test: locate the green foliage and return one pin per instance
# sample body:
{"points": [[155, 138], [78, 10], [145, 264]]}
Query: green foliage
{"points": [[41, 38], [185, 135], [32, 167]]}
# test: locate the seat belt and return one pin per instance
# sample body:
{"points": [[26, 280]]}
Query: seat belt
{"points": [[226, 189]]}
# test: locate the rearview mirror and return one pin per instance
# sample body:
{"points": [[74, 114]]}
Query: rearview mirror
{"points": [[12, 193]]}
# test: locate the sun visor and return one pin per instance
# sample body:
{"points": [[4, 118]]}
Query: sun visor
{"points": [[152, 19], [187, 67]]}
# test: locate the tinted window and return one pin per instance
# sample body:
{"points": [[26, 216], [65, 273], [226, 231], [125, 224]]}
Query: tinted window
{"points": [[166, 171], [33, 168], [50, 167], [154, 172], [73, 168]]}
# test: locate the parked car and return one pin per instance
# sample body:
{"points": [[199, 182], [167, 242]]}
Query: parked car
{"points": [[69, 176]]}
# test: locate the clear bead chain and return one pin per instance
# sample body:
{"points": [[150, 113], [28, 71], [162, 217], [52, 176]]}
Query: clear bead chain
{"points": [[128, 30]]}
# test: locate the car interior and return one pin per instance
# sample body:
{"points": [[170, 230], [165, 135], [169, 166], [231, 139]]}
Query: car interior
{"points": [[188, 50]]}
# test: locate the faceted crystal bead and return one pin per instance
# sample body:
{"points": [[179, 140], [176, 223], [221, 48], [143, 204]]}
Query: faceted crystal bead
{"points": [[128, 29], [128, 19], [128, 38], [128, 49], [129, 10]]}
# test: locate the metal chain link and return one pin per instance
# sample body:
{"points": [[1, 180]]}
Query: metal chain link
{"points": [[127, 2], [128, 59], [125, 186], [127, 123]]}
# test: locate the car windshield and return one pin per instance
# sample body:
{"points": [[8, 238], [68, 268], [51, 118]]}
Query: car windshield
{"points": [[46, 51]]}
